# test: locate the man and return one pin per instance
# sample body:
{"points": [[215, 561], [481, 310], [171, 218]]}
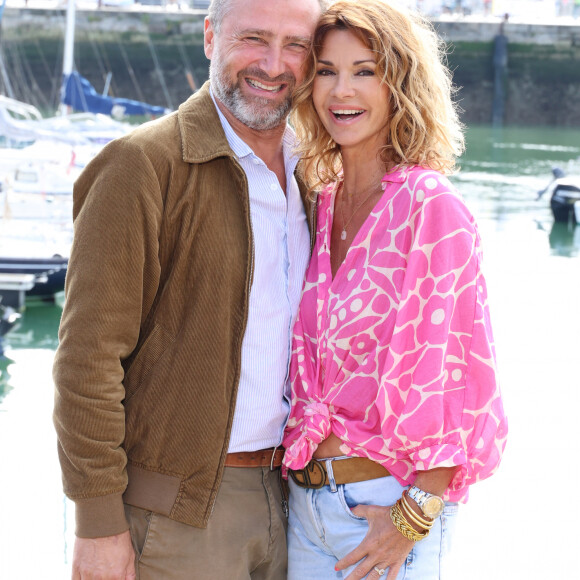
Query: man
{"points": [[191, 241]]}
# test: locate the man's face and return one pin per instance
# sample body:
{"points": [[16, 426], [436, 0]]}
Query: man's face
{"points": [[258, 57]]}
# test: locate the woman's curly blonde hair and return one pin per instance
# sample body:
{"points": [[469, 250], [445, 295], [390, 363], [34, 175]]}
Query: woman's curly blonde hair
{"points": [[424, 128]]}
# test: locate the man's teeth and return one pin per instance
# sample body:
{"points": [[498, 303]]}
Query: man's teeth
{"points": [[259, 85]]}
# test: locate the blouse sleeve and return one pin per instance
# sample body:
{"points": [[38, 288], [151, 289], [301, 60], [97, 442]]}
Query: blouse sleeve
{"points": [[441, 404]]}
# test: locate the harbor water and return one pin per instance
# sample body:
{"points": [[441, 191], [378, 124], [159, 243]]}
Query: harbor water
{"points": [[518, 524]]}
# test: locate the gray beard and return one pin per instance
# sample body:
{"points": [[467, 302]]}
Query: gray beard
{"points": [[255, 112]]}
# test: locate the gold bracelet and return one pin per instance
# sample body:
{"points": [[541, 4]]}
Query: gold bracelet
{"points": [[404, 526], [414, 515], [410, 517], [422, 522]]}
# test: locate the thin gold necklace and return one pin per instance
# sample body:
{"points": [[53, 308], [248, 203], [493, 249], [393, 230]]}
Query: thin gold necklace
{"points": [[345, 225]]}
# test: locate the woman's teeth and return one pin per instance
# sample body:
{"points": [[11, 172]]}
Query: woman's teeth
{"points": [[347, 113]]}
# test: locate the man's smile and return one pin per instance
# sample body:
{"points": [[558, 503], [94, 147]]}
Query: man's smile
{"points": [[258, 85]]}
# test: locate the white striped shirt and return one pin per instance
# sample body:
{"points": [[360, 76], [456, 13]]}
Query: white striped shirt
{"points": [[281, 253]]}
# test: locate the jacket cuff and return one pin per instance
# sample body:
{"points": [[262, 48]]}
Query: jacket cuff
{"points": [[97, 517]]}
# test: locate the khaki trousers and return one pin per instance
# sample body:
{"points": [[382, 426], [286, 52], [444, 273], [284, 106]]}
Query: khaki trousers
{"points": [[245, 537]]}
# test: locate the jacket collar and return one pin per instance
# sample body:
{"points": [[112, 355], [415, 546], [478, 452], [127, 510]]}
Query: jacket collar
{"points": [[203, 139], [202, 136]]}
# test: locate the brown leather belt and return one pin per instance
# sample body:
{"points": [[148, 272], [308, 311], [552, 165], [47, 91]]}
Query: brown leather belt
{"points": [[349, 470], [271, 458]]}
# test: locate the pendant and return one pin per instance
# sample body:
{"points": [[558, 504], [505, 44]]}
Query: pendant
{"points": [[343, 235]]}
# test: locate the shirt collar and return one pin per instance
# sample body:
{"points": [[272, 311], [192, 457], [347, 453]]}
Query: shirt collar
{"points": [[396, 175], [242, 149]]}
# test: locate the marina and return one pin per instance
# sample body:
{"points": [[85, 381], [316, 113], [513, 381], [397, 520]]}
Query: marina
{"points": [[512, 179], [154, 53], [532, 266], [39, 163]]}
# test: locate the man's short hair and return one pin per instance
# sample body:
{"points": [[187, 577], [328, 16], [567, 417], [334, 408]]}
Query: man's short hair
{"points": [[218, 8]]}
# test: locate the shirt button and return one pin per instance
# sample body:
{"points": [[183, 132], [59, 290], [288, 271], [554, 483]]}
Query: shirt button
{"points": [[256, 161], [273, 186]]}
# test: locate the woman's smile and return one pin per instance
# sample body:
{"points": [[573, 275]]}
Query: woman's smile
{"points": [[348, 93], [344, 114]]}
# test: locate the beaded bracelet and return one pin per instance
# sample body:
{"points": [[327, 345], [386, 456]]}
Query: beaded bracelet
{"points": [[401, 523]]}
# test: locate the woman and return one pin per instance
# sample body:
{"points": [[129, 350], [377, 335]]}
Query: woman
{"points": [[395, 404]]}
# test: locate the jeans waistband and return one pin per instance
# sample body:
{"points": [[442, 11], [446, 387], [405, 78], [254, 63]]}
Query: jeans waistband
{"points": [[337, 471]]}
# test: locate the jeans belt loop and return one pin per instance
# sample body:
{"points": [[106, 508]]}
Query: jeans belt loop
{"points": [[330, 475]]}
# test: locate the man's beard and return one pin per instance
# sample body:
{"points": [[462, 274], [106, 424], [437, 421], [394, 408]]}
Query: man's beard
{"points": [[257, 113]]}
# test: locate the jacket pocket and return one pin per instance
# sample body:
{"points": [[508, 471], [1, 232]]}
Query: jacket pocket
{"points": [[147, 357]]}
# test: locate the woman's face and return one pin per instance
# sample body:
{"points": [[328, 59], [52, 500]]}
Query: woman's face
{"points": [[348, 95]]}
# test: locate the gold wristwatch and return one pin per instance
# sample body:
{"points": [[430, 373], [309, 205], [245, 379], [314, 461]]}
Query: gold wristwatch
{"points": [[431, 505]]}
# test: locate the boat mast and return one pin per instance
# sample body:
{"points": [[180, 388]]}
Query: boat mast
{"points": [[5, 78], [68, 59]]}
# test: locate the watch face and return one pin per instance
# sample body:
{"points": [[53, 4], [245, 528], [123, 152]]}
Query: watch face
{"points": [[433, 507]]}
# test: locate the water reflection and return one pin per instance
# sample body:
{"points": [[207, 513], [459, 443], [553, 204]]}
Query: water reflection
{"points": [[503, 169], [5, 387], [522, 150], [565, 239], [28, 453], [37, 329]]}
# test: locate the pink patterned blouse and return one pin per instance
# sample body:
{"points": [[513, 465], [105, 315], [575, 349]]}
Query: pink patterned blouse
{"points": [[395, 356]]}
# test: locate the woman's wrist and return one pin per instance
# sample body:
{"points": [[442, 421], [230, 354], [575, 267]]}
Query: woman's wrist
{"points": [[435, 481], [400, 519], [408, 515], [414, 514]]}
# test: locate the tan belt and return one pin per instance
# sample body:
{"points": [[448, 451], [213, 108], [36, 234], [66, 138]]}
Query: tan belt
{"points": [[350, 470], [271, 458]]}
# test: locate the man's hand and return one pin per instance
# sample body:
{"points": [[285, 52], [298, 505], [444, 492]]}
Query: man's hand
{"points": [[109, 558]]}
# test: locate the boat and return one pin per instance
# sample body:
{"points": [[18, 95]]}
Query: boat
{"points": [[36, 183], [564, 192], [82, 96], [22, 125], [39, 163], [36, 234], [78, 94], [48, 276]]}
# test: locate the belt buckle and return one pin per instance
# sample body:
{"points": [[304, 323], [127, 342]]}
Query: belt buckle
{"points": [[311, 467]]}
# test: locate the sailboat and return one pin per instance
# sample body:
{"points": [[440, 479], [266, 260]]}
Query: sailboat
{"points": [[37, 172], [78, 93]]}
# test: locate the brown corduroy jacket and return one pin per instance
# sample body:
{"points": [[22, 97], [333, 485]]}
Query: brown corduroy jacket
{"points": [[157, 288]]}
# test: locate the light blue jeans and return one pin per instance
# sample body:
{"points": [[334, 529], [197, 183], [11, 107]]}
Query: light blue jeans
{"points": [[322, 529]]}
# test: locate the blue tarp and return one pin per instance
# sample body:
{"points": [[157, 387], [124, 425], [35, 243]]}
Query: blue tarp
{"points": [[82, 96]]}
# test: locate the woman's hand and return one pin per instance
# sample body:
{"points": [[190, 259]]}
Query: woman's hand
{"points": [[383, 546]]}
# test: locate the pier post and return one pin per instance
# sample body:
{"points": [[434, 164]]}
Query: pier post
{"points": [[500, 69]]}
